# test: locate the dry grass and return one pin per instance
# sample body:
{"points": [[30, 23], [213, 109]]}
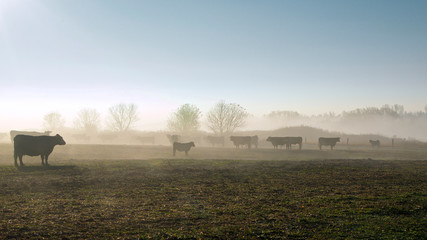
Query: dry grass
{"points": [[128, 192]]}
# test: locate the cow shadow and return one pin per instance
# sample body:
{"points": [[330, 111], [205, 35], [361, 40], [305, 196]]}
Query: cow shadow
{"points": [[26, 168]]}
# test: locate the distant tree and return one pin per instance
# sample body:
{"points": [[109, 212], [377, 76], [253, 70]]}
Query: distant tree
{"points": [[425, 108], [122, 117], [285, 115], [186, 119], [88, 120], [225, 118], [53, 121]]}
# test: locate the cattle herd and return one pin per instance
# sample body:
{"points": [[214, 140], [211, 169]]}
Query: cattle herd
{"points": [[41, 144]]}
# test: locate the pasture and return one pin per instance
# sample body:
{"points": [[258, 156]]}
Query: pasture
{"points": [[131, 192]]}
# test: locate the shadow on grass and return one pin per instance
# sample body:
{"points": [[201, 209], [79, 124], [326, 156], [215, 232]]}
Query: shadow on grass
{"points": [[46, 168]]}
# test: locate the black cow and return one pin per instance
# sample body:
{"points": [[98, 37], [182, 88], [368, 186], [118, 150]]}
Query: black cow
{"points": [[182, 147], [276, 141], [35, 146], [328, 142], [375, 143], [288, 141], [241, 140]]}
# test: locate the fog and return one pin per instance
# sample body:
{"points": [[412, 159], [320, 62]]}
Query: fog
{"points": [[386, 121]]}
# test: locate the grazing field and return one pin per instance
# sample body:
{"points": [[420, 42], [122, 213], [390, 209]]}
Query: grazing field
{"points": [[130, 192]]}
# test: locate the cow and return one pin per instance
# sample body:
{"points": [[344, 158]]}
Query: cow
{"points": [[182, 147], [375, 143], [328, 142], [215, 140], [276, 141], [288, 141], [13, 134], [35, 146], [241, 140]]}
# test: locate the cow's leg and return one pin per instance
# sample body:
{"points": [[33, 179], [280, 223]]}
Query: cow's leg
{"points": [[15, 156], [300, 146], [186, 153], [320, 146], [42, 157], [20, 160], [45, 159], [332, 147]]}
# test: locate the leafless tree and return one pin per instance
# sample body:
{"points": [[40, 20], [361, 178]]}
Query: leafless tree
{"points": [[186, 119], [122, 117], [225, 118], [88, 120], [53, 121]]}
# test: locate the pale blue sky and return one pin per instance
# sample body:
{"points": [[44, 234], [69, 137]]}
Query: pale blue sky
{"points": [[306, 56]]}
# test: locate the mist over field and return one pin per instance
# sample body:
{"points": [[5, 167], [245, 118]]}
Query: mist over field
{"points": [[243, 119]]}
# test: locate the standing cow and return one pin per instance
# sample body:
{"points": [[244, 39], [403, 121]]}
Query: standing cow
{"points": [[375, 143], [288, 141], [241, 140], [328, 142], [35, 146], [182, 147]]}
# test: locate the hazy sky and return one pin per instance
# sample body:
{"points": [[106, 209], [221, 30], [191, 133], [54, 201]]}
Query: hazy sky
{"points": [[305, 56]]}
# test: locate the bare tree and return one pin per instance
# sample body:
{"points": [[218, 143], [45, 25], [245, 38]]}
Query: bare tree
{"points": [[122, 117], [53, 121], [186, 119], [88, 120], [225, 118]]}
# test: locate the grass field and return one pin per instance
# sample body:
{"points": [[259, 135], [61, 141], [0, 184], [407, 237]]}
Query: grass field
{"points": [[130, 192]]}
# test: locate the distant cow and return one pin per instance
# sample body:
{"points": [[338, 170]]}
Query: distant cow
{"points": [[241, 140], [14, 133], [276, 141], [182, 147], [35, 146], [288, 141], [375, 143], [328, 142], [215, 140]]}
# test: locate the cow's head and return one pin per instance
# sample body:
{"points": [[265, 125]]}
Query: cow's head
{"points": [[59, 140], [192, 144], [268, 139]]}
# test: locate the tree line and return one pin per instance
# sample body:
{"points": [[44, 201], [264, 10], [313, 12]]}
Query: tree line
{"points": [[223, 118]]}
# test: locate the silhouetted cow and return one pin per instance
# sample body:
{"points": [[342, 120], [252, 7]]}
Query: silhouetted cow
{"points": [[375, 143], [182, 147], [14, 133], [35, 146], [328, 142], [288, 141], [241, 140]]}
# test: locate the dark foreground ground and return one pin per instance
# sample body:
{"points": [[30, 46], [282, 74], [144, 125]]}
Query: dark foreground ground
{"points": [[93, 198]]}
